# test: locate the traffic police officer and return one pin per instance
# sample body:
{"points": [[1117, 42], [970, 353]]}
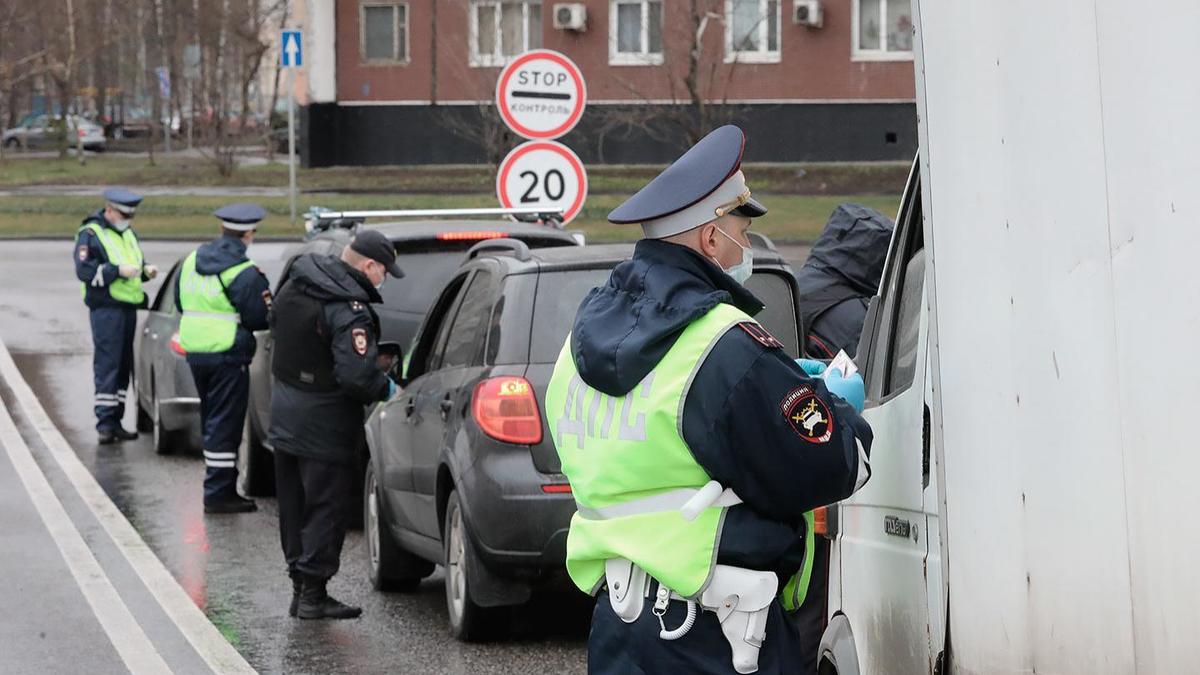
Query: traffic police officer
{"points": [[109, 264], [667, 387], [223, 298], [325, 334]]}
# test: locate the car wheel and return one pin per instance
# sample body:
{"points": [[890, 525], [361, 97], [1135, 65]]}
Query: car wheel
{"points": [[389, 568], [145, 421], [468, 621], [12, 143], [164, 439], [258, 469]]}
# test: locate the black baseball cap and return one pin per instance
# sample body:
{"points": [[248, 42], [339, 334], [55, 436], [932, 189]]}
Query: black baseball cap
{"points": [[374, 245]]}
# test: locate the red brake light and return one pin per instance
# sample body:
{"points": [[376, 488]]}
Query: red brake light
{"points": [[175, 346], [473, 235], [506, 409]]}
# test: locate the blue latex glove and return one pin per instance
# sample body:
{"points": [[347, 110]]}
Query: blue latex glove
{"points": [[813, 368], [849, 389]]}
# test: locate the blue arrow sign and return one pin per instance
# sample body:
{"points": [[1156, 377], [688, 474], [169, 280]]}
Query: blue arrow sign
{"points": [[290, 51]]}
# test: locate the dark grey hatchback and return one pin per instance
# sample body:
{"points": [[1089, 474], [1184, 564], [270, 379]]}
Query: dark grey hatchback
{"points": [[462, 469]]}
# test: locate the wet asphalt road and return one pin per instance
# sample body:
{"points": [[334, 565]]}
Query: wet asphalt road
{"points": [[231, 566]]}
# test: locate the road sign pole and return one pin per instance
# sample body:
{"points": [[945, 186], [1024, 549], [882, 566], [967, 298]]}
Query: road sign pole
{"points": [[291, 144]]}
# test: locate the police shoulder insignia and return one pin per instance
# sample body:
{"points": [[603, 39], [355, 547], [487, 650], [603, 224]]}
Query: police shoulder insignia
{"points": [[83, 252], [808, 415], [357, 306], [359, 336], [761, 335]]}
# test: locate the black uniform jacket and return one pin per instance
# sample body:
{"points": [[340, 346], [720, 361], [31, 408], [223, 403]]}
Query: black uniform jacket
{"points": [[739, 421], [95, 271], [249, 293], [327, 425]]}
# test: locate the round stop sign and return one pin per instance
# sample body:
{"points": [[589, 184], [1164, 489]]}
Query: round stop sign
{"points": [[541, 94], [543, 174]]}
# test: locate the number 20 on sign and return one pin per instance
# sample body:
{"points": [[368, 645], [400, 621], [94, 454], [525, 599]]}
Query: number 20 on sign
{"points": [[543, 174]]}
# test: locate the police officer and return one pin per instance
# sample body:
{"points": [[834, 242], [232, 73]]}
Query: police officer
{"points": [[325, 334], [223, 298], [667, 388], [109, 264]]}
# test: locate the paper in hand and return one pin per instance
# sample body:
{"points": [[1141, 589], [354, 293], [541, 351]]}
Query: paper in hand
{"points": [[843, 363]]}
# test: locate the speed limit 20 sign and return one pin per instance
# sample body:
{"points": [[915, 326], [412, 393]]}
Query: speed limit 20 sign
{"points": [[541, 94], [543, 174]]}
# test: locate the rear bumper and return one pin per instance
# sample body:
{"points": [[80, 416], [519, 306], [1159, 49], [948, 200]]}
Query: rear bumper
{"points": [[515, 524], [180, 413]]}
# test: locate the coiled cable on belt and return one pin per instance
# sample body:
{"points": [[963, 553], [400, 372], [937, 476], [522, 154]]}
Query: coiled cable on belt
{"points": [[661, 601]]}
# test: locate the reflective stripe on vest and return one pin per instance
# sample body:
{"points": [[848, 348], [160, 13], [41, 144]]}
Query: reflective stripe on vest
{"points": [[628, 463], [121, 248], [209, 322]]}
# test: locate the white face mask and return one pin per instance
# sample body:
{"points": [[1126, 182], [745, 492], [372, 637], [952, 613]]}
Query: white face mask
{"points": [[120, 225], [740, 272]]}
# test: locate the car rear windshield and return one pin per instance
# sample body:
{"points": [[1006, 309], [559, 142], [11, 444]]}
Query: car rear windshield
{"points": [[558, 298], [428, 265]]}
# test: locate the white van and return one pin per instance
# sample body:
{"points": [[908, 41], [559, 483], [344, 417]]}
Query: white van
{"points": [[1028, 359]]}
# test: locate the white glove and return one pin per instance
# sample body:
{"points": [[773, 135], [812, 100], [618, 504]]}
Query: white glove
{"points": [[128, 271], [151, 271]]}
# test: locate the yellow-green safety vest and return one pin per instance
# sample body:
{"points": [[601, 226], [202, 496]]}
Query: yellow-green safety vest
{"points": [[628, 466], [210, 320], [121, 248]]}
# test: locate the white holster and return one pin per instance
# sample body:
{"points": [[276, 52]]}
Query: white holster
{"points": [[741, 599]]}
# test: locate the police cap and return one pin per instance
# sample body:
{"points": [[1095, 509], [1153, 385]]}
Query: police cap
{"points": [[701, 186], [240, 217], [125, 201]]}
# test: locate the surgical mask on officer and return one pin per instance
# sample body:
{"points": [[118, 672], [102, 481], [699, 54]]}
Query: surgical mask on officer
{"points": [[120, 225], [740, 272], [378, 269]]}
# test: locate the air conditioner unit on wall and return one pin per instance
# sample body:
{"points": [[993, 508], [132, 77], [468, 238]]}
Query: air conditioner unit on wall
{"points": [[808, 13], [570, 16]]}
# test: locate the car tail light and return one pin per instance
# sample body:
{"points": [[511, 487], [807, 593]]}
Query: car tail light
{"points": [[479, 235], [821, 521], [506, 409], [81, 133], [176, 346]]}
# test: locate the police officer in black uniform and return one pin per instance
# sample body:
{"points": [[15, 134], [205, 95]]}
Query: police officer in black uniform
{"points": [[109, 264], [324, 361]]}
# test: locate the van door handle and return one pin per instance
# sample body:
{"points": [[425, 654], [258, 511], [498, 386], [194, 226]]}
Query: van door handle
{"points": [[925, 449]]}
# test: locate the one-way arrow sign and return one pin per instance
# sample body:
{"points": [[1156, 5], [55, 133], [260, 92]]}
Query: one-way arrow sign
{"points": [[291, 53]]}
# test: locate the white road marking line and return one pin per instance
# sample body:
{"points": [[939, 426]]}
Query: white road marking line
{"points": [[123, 631], [208, 642]]}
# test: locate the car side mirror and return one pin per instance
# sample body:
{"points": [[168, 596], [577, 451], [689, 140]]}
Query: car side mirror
{"points": [[391, 359]]}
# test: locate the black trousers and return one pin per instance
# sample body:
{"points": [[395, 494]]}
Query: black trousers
{"points": [[112, 361], [224, 390], [312, 512]]}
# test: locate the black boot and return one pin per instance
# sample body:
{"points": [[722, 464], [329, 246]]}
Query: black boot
{"points": [[297, 588], [123, 435], [106, 437], [315, 603], [231, 504]]}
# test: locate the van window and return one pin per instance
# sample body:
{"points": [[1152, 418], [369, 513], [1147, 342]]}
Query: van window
{"points": [[903, 362]]}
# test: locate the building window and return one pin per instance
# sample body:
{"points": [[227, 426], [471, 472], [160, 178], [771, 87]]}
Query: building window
{"points": [[752, 31], [501, 30], [635, 32], [883, 30], [383, 31]]}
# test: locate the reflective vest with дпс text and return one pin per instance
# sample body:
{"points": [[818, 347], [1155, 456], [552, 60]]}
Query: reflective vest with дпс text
{"points": [[621, 451], [121, 248], [209, 323]]}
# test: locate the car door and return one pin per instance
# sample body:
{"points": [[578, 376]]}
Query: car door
{"points": [[400, 428], [883, 547], [446, 393], [155, 359]]}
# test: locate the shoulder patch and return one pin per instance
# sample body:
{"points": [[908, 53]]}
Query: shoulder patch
{"points": [[808, 415], [82, 252], [359, 337], [357, 306], [760, 335]]}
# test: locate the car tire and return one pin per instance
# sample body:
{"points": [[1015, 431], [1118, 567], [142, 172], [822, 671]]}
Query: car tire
{"points": [[165, 440], [468, 621], [259, 467], [389, 568], [12, 144], [145, 421]]}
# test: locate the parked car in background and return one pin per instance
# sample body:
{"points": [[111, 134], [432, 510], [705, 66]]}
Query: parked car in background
{"points": [[429, 252], [49, 132], [462, 469], [139, 122], [168, 405]]}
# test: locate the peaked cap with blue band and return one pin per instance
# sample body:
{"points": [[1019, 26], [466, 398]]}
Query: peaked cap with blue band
{"points": [[241, 217], [699, 187], [125, 201]]}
